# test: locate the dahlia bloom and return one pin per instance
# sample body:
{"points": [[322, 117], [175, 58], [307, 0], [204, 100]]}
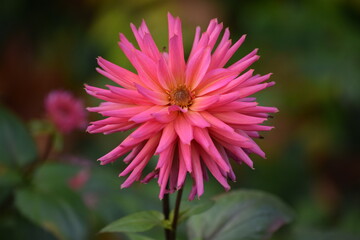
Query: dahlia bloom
{"points": [[194, 115], [65, 111]]}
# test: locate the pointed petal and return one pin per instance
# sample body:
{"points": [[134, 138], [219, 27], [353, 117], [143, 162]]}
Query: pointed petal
{"points": [[196, 119], [183, 129], [231, 138], [165, 116], [238, 118], [147, 129], [203, 103], [167, 138], [214, 169], [185, 152], [127, 95], [154, 97], [239, 154], [176, 58], [215, 80], [182, 172], [144, 155], [197, 171], [197, 67], [232, 50], [202, 137], [241, 65], [215, 122], [120, 75], [146, 115]]}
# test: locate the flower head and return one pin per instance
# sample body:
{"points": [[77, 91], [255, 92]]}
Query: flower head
{"points": [[65, 111], [194, 115]]}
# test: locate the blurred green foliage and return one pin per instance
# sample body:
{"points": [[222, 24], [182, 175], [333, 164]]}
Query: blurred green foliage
{"points": [[311, 46]]}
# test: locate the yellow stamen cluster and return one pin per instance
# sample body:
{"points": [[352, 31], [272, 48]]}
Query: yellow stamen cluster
{"points": [[180, 96]]}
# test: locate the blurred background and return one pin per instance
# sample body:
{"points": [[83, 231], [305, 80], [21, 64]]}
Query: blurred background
{"points": [[313, 156]]}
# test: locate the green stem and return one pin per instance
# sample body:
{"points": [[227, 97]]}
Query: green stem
{"points": [[176, 214], [166, 211]]}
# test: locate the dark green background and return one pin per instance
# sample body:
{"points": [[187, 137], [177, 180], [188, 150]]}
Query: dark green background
{"points": [[311, 46]]}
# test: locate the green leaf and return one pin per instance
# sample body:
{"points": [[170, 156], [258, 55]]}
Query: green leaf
{"points": [[17, 147], [53, 177], [240, 215], [137, 222], [188, 210], [63, 216], [51, 204], [9, 177], [301, 234], [134, 236]]}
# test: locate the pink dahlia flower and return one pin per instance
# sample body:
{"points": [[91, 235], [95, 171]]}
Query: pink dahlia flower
{"points": [[65, 111], [194, 115]]}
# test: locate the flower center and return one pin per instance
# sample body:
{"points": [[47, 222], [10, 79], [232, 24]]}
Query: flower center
{"points": [[180, 96]]}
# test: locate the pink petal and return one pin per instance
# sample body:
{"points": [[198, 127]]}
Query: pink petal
{"points": [[215, 122], [196, 119], [165, 116], [125, 112], [215, 80], [114, 154], [221, 50], [256, 80], [213, 31], [214, 169], [147, 129], [164, 158], [106, 121], [103, 94], [202, 137], [154, 97], [183, 129], [144, 156], [255, 148], [242, 65], [176, 108], [253, 127], [239, 153], [144, 65], [128, 96], [185, 152], [235, 106], [203, 103], [166, 79], [197, 171], [145, 41], [121, 76], [196, 41], [167, 138], [174, 173], [133, 153], [111, 128], [241, 93], [197, 67], [238, 118], [176, 58], [146, 115], [236, 82], [232, 50], [108, 106], [231, 137], [150, 176], [222, 152], [182, 171], [193, 193], [165, 170]]}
